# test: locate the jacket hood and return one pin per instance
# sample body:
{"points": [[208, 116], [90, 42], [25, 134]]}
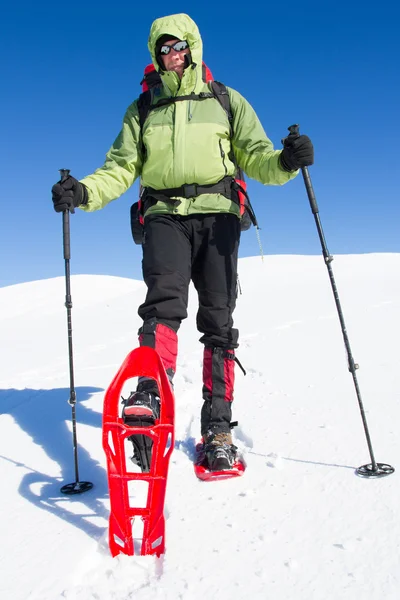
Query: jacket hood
{"points": [[182, 27]]}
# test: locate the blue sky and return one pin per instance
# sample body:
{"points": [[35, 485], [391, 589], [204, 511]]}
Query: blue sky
{"points": [[70, 70]]}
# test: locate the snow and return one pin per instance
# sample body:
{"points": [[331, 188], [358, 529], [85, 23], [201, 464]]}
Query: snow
{"points": [[298, 525]]}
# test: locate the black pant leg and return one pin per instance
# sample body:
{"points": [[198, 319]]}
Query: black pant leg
{"points": [[166, 269], [214, 274]]}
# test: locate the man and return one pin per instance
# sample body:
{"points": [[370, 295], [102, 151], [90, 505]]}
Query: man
{"points": [[185, 156]]}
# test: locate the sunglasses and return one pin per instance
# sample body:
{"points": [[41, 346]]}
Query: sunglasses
{"points": [[178, 47]]}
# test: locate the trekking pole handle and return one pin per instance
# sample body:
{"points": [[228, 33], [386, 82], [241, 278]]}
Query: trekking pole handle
{"points": [[294, 130], [66, 234], [64, 174]]}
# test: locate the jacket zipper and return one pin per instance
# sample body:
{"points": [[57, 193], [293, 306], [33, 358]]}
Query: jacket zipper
{"points": [[223, 156]]}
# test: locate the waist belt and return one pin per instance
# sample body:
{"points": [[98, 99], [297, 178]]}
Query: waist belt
{"points": [[192, 190]]}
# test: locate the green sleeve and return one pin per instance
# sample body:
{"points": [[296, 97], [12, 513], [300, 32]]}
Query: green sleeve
{"points": [[122, 166], [253, 150]]}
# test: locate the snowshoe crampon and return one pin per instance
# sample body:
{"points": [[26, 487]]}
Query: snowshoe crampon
{"points": [[203, 472], [159, 441]]}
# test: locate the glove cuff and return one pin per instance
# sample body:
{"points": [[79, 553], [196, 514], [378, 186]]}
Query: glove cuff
{"points": [[81, 196], [85, 195], [284, 164]]}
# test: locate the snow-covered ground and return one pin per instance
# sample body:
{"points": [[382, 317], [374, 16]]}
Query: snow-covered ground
{"points": [[299, 525]]}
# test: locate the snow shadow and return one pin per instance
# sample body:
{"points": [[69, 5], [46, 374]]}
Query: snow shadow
{"points": [[187, 446], [45, 415]]}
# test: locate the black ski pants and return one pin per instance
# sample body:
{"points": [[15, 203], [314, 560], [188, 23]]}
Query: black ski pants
{"points": [[204, 249]]}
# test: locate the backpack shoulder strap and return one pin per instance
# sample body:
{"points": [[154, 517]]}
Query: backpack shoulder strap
{"points": [[144, 103], [221, 93], [144, 106]]}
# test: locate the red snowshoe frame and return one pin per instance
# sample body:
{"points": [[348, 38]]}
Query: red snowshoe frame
{"points": [[146, 362]]}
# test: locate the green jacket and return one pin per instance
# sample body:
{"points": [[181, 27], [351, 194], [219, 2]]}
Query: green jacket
{"points": [[186, 142]]}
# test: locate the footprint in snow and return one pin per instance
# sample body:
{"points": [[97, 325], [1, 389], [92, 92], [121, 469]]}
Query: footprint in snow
{"points": [[274, 461]]}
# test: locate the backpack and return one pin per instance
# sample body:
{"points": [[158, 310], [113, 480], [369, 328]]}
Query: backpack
{"points": [[151, 80]]}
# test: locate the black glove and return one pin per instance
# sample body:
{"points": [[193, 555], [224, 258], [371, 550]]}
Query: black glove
{"points": [[297, 152], [69, 194]]}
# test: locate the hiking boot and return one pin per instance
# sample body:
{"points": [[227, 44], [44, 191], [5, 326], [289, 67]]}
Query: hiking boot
{"points": [[220, 451], [142, 451], [141, 409], [143, 406]]}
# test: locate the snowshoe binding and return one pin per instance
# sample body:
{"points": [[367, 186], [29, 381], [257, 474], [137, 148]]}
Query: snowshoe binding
{"points": [[217, 458], [219, 451], [142, 409]]}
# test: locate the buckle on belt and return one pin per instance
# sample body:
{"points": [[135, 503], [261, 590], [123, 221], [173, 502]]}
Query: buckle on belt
{"points": [[189, 190]]}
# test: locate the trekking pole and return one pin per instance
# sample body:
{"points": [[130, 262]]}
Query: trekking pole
{"points": [[373, 469], [78, 487]]}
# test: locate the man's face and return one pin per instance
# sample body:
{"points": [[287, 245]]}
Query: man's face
{"points": [[175, 61]]}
